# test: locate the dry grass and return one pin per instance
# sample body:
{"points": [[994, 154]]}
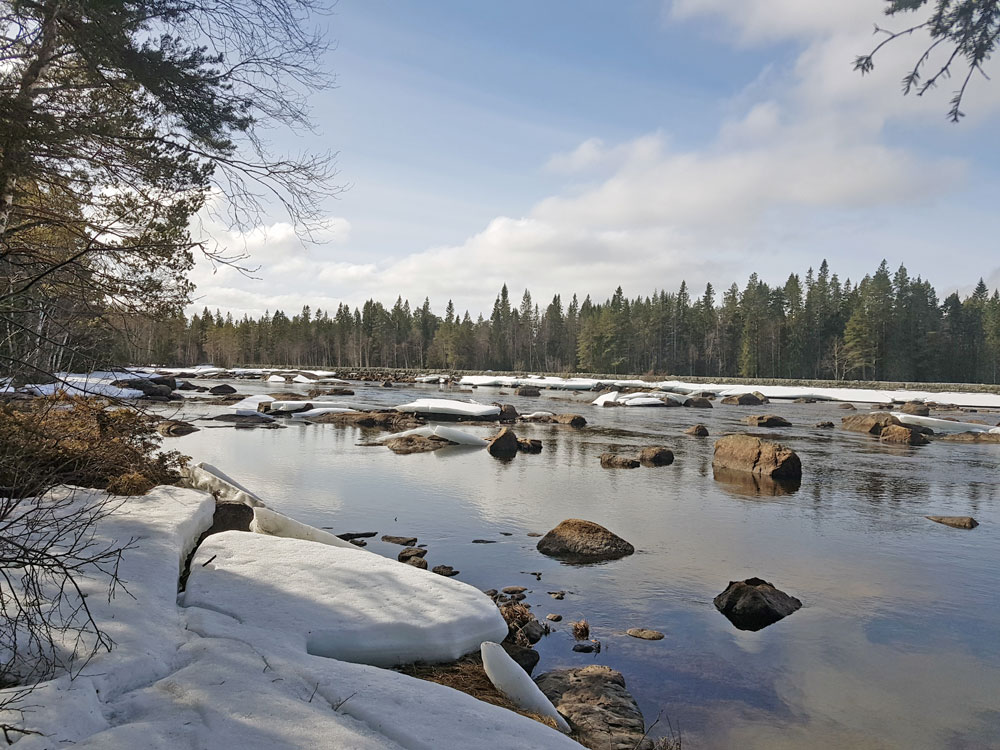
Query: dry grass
{"points": [[516, 616], [468, 676], [581, 630]]}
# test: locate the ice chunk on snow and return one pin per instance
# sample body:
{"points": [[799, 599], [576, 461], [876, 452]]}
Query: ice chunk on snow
{"points": [[340, 604], [448, 433], [275, 379], [449, 406], [607, 398], [252, 402], [320, 412], [272, 523], [939, 425], [510, 679]]}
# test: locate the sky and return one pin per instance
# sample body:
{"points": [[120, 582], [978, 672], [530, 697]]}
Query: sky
{"points": [[572, 146]]}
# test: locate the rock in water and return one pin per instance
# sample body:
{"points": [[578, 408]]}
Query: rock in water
{"points": [[872, 423], [897, 433], [698, 430], [614, 461], [847, 407], [699, 402], [175, 428], [508, 413], [416, 444], [645, 634], [744, 399], [916, 408], [573, 420], [756, 456], [404, 541], [958, 522], [503, 444], [222, 390], [754, 604], [445, 570], [409, 552], [971, 437], [824, 425], [527, 390], [604, 715], [767, 420], [526, 445], [417, 562], [656, 456], [583, 541]]}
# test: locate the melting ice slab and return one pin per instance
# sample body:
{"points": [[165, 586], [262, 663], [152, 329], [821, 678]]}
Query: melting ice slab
{"points": [[360, 608]]}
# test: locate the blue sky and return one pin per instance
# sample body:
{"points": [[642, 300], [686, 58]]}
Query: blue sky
{"points": [[574, 146]]}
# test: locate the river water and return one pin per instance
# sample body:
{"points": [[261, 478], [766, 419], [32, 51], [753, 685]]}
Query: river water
{"points": [[897, 644]]}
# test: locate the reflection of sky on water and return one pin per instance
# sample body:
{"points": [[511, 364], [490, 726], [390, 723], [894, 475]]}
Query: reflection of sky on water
{"points": [[898, 642]]}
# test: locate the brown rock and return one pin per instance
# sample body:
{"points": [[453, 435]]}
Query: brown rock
{"points": [[897, 433], [656, 456], [583, 541], [699, 402], [409, 552], [614, 461], [404, 541], [743, 399], [175, 428], [767, 420], [553, 618], [916, 408], [528, 390], [698, 430], [958, 522], [385, 420], [529, 446], [970, 437], [445, 570], [824, 425], [871, 423], [314, 392], [503, 444], [573, 420], [847, 407], [595, 702], [645, 634], [508, 413], [416, 444], [417, 562], [755, 456]]}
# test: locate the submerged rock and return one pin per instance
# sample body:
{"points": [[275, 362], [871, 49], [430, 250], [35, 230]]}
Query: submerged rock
{"points": [[698, 430], [847, 407], [583, 541], [405, 541], [175, 428], [645, 634], [614, 461], [958, 522], [971, 437], [416, 444], [824, 425], [754, 604], [596, 703], [656, 456], [767, 420], [755, 456]]}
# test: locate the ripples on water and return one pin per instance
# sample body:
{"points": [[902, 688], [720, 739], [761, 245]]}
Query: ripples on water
{"points": [[898, 641]]}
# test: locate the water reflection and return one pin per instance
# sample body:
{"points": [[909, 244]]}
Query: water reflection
{"points": [[895, 645], [752, 485]]}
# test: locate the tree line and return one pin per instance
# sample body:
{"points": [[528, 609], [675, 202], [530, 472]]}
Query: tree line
{"points": [[888, 326]]}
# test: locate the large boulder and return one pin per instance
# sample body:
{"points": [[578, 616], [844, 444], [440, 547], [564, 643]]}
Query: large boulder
{"points": [[744, 399], [504, 444], [767, 420], [871, 423], [508, 413], [656, 456], [755, 456], [897, 433], [583, 541], [596, 703], [916, 408], [754, 604], [614, 461], [222, 390]]}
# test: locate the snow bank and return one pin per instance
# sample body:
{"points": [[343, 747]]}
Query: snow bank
{"points": [[198, 677], [449, 406], [341, 604], [272, 523], [940, 425], [203, 476], [510, 679], [607, 398], [448, 433]]}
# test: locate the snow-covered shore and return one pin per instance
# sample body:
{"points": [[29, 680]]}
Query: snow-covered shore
{"points": [[271, 645]]}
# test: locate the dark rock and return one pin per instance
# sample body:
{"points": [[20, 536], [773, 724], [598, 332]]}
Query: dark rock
{"points": [[484, 541], [584, 648], [405, 541], [767, 420], [645, 634], [358, 542], [533, 533], [897, 433], [824, 425], [559, 595], [614, 461], [314, 392], [804, 401], [348, 536], [175, 428], [527, 658], [755, 456], [508, 413], [186, 386], [525, 445], [744, 399], [596, 703], [528, 390], [491, 593], [222, 390], [699, 402], [445, 570], [533, 630], [416, 444], [656, 456], [409, 552], [503, 444], [246, 419], [698, 430], [583, 541], [573, 420], [958, 522], [754, 604], [417, 562], [387, 384]]}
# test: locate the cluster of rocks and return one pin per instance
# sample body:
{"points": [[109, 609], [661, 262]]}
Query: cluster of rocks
{"points": [[506, 444], [746, 399], [413, 555], [887, 428]]}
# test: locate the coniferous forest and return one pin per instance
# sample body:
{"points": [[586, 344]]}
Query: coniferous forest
{"points": [[888, 326]]}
